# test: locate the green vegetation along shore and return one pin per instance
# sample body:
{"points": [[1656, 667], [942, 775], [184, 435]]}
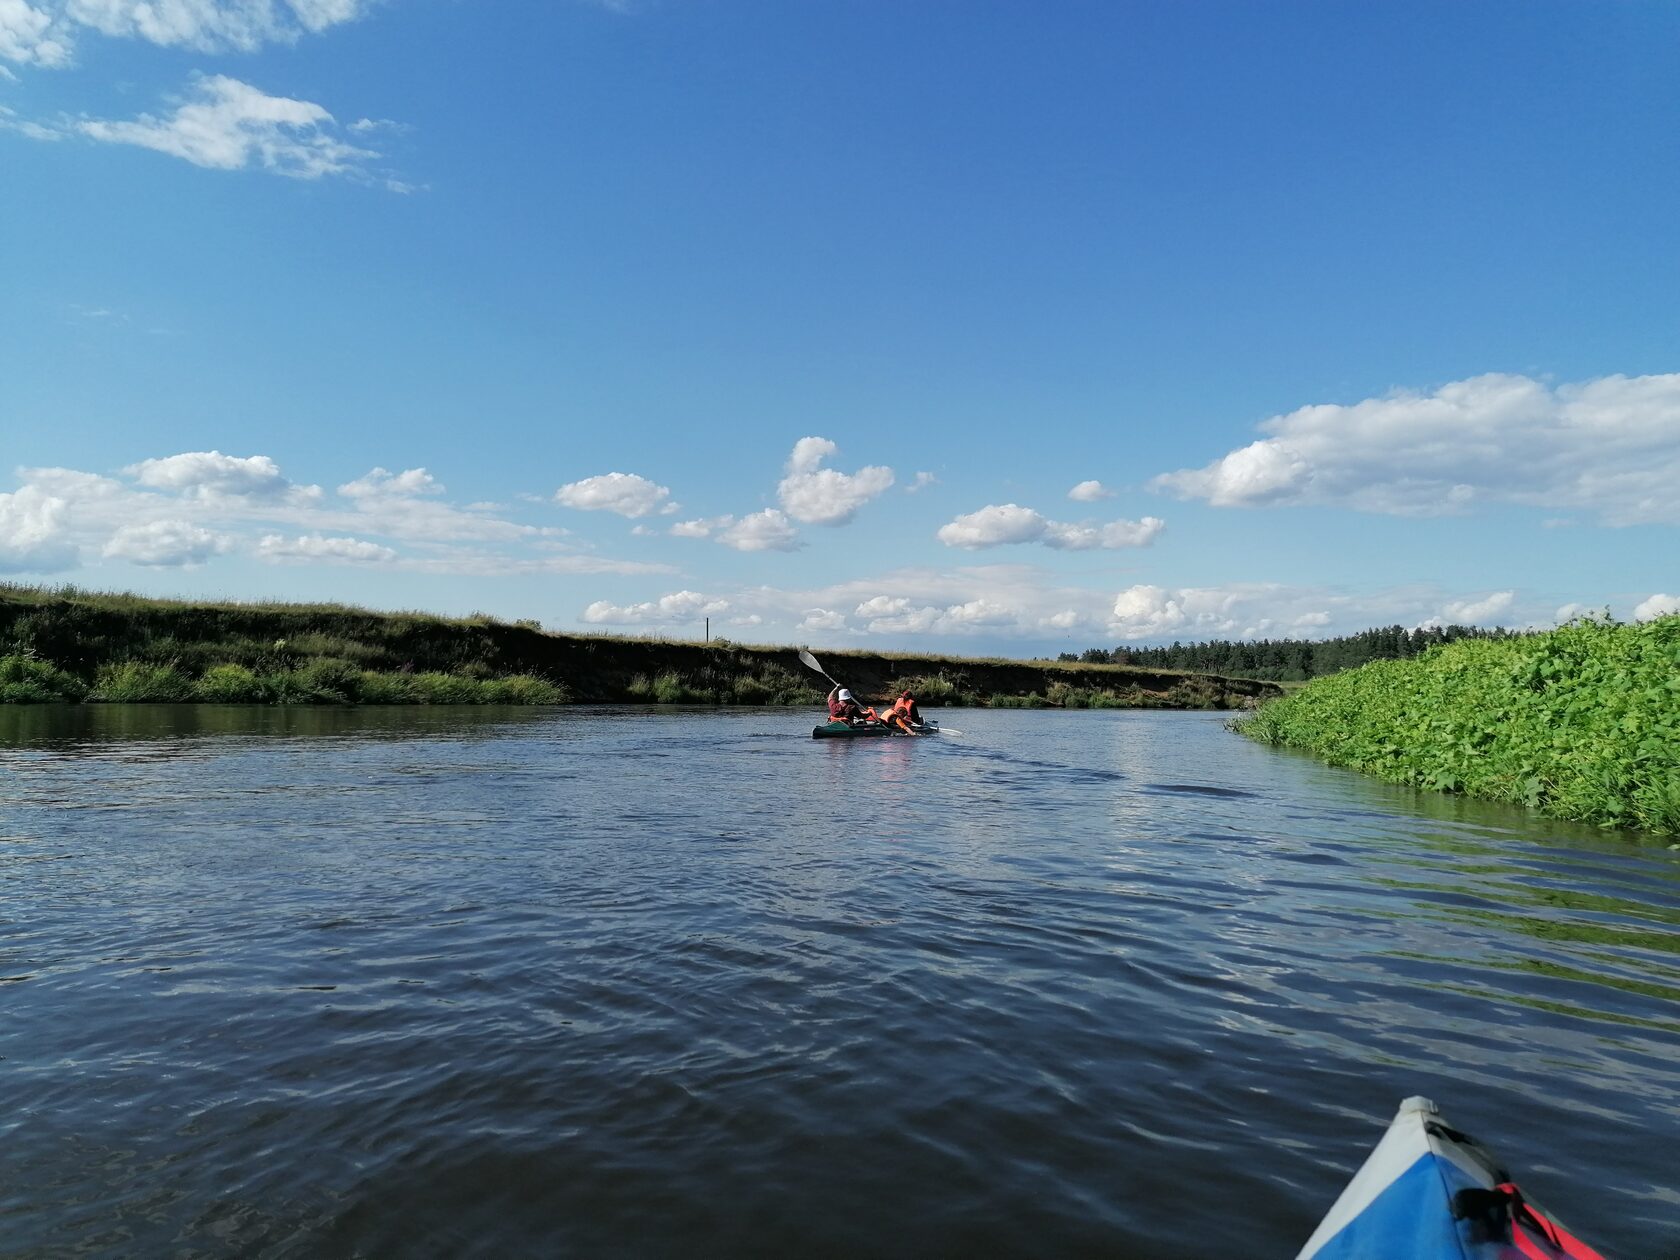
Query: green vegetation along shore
{"points": [[1581, 722], [66, 644], [1290, 660]]}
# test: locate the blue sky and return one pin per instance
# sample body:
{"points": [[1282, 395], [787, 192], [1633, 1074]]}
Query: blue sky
{"points": [[809, 318]]}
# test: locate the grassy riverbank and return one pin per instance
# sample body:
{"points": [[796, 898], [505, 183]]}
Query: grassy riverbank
{"points": [[1582, 722], [71, 645]]}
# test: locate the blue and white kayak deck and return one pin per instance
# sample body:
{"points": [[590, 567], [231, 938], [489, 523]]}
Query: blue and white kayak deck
{"points": [[1429, 1192]]}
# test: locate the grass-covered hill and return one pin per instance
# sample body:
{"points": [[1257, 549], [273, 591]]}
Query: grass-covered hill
{"points": [[68, 644], [1582, 722]]}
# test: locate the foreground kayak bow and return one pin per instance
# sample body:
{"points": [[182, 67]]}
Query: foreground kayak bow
{"points": [[1429, 1192]]}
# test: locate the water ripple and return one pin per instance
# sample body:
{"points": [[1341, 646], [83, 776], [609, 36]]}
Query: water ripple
{"points": [[501, 982]]}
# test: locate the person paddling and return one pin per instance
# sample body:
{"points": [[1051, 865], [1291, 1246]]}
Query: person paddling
{"points": [[843, 708], [904, 714]]}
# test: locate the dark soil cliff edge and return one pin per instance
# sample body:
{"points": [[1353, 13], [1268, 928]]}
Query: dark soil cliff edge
{"points": [[87, 635]]}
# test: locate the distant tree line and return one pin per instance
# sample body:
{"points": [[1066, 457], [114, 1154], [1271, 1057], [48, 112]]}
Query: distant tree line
{"points": [[1281, 660]]}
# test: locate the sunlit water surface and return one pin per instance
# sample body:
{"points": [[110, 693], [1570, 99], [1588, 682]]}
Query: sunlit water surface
{"points": [[500, 982]]}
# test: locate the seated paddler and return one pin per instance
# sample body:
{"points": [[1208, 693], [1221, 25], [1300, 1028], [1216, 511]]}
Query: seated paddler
{"points": [[843, 708], [904, 714]]}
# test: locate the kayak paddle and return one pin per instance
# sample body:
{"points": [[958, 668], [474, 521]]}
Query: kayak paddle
{"points": [[812, 661]]}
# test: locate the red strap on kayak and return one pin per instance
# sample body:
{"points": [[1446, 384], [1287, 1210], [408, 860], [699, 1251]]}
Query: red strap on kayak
{"points": [[1535, 1236]]}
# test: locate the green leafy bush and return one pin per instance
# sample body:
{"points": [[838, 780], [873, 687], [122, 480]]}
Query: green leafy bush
{"points": [[1582, 722], [229, 684], [669, 688], [933, 689], [331, 681], [375, 688], [24, 680], [1032, 700], [750, 690], [446, 689], [137, 682], [522, 689], [287, 686]]}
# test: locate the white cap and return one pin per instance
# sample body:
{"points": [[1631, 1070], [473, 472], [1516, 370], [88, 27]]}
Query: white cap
{"points": [[844, 694]]}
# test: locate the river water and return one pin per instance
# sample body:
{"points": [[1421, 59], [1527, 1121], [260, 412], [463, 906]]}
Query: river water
{"points": [[444, 982]]}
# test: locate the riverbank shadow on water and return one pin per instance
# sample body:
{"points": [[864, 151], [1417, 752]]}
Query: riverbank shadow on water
{"points": [[46, 725], [607, 981]]}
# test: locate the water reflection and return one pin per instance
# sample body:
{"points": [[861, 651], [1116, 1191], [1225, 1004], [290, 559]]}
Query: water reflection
{"points": [[49, 725]]}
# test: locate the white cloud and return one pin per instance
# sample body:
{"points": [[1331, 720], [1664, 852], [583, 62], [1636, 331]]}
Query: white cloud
{"points": [[768, 530], [623, 493], [993, 526], [60, 516], [676, 608], [1000, 524], [31, 36], [823, 620], [1470, 612], [164, 544], [922, 482], [1611, 446], [979, 612], [1109, 537], [1657, 606], [202, 25], [479, 563], [9, 121], [906, 620], [1004, 603], [1146, 611], [701, 528], [1090, 492], [1569, 612], [211, 473], [229, 126], [378, 483], [407, 505], [34, 534], [881, 613], [314, 547], [824, 496], [989, 601], [882, 606], [1244, 611], [1272, 610]]}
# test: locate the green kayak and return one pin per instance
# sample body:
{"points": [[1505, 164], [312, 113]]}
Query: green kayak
{"points": [[870, 730]]}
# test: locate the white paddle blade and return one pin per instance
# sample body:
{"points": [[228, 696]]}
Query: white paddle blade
{"points": [[812, 662]]}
